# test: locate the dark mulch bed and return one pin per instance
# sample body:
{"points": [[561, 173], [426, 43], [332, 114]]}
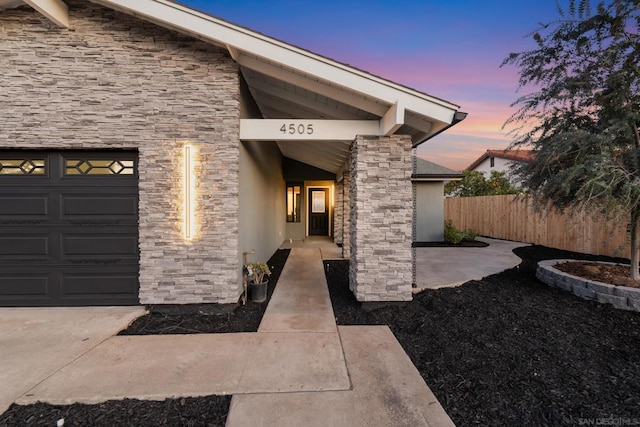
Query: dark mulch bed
{"points": [[463, 244], [509, 350], [243, 318], [208, 411]]}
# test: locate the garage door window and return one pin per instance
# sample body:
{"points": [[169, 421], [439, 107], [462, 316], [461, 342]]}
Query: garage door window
{"points": [[99, 167], [22, 167]]}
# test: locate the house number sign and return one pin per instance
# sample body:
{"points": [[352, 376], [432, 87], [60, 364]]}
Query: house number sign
{"points": [[297, 129], [289, 129]]}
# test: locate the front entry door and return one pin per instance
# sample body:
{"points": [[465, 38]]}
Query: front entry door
{"points": [[318, 212]]}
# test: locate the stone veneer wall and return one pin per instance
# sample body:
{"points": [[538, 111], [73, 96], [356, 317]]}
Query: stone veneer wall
{"points": [[346, 213], [381, 201], [338, 213], [117, 82]]}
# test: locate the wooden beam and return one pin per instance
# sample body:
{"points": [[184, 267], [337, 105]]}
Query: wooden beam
{"points": [[54, 10], [306, 130], [392, 120], [233, 52]]}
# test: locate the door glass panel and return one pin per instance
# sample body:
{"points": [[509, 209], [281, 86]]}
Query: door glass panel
{"points": [[22, 167], [317, 202]]}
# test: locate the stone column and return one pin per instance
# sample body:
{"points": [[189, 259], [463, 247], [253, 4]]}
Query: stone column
{"points": [[346, 215], [338, 214], [381, 219]]}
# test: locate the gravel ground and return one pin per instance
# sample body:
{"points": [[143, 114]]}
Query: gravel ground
{"points": [[504, 350], [509, 350]]}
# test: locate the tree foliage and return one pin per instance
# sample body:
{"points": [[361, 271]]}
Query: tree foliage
{"points": [[583, 114], [474, 183]]}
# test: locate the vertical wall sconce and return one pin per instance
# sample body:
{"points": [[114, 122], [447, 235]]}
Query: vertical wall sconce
{"points": [[189, 192]]}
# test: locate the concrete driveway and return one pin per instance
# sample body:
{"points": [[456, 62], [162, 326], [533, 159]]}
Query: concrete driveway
{"points": [[35, 343]]}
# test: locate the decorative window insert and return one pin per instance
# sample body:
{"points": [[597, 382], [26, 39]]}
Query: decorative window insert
{"points": [[492, 162], [22, 167], [99, 167], [294, 195], [317, 202]]}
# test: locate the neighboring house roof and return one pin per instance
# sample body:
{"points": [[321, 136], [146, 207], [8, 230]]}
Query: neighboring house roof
{"points": [[424, 170], [524, 156], [289, 82]]}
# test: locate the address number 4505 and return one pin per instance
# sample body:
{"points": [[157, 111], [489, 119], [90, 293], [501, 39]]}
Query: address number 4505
{"points": [[300, 129]]}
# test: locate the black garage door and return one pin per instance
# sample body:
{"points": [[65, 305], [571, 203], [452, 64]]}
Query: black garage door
{"points": [[68, 228]]}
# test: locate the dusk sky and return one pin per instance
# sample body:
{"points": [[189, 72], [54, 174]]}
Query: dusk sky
{"points": [[448, 49]]}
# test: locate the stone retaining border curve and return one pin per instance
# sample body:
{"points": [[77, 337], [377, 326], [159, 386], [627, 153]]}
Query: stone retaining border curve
{"points": [[622, 297]]}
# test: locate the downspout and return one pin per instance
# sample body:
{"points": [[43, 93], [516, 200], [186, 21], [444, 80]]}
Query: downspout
{"points": [[457, 118]]}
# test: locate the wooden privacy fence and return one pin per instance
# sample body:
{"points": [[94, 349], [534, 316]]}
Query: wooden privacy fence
{"points": [[512, 217]]}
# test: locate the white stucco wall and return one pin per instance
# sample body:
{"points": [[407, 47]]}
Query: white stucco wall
{"points": [[429, 215], [262, 200]]}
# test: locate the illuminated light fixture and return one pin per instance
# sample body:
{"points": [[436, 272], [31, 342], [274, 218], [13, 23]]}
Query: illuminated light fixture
{"points": [[189, 192]]}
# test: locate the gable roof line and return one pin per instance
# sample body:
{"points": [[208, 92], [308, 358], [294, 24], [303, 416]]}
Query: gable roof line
{"points": [[525, 156], [275, 51], [425, 170]]}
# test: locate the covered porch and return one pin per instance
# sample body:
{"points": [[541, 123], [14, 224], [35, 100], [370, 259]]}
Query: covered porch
{"points": [[326, 151]]}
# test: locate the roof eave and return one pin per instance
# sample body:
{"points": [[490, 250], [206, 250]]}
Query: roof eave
{"points": [[458, 116], [422, 178], [241, 40]]}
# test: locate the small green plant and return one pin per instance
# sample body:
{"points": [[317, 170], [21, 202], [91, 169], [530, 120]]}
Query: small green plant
{"points": [[455, 236], [257, 271]]}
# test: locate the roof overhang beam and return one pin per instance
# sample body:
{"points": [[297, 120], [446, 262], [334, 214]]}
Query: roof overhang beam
{"points": [[54, 10], [393, 119]]}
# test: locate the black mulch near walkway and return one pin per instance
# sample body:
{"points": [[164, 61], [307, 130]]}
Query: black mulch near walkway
{"points": [[509, 350], [243, 318], [208, 411]]}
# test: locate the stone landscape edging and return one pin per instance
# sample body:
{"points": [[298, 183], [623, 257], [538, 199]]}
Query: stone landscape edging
{"points": [[622, 297]]}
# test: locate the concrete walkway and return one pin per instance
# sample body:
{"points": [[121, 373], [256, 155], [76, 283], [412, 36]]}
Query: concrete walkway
{"points": [[385, 388], [301, 300], [387, 391], [296, 349], [299, 369], [448, 267]]}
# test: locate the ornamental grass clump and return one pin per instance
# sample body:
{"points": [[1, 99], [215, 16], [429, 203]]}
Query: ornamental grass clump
{"points": [[455, 236]]}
